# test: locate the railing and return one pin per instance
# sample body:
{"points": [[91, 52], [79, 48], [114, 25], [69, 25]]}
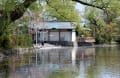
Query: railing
{"points": [[116, 38], [85, 39]]}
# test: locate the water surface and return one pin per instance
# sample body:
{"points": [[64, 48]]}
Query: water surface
{"points": [[86, 62]]}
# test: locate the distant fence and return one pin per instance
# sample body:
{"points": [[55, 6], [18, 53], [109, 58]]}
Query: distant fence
{"points": [[86, 39]]}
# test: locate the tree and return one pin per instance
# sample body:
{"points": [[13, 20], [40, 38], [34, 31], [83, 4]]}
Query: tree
{"points": [[19, 8], [103, 23], [11, 10]]}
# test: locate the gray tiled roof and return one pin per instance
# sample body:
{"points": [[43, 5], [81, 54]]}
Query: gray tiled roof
{"points": [[54, 25]]}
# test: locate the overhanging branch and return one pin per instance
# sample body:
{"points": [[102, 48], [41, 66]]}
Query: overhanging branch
{"points": [[88, 4], [20, 10]]}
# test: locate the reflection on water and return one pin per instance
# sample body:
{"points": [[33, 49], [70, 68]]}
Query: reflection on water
{"points": [[100, 62]]}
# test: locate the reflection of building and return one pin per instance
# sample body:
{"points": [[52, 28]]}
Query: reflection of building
{"points": [[55, 56], [85, 53], [53, 32], [44, 62]]}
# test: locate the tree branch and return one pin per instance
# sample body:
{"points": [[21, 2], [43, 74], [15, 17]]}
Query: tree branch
{"points": [[88, 4], [20, 10]]}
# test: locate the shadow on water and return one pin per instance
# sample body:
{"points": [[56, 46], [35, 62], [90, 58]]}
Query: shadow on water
{"points": [[99, 62]]}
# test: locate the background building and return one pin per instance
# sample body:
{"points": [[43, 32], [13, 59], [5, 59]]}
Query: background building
{"points": [[58, 33]]}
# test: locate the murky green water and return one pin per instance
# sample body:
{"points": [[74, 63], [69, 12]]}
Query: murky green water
{"points": [[100, 62]]}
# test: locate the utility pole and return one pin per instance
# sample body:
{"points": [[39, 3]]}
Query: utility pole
{"points": [[43, 27], [36, 36]]}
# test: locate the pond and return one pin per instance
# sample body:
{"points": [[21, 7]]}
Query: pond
{"points": [[68, 62]]}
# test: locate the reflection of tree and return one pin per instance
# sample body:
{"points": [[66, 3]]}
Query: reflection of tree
{"points": [[106, 61], [4, 69], [8, 66], [91, 71], [107, 56], [85, 54], [63, 74]]}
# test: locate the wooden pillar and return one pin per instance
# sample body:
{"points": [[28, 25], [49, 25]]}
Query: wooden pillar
{"points": [[59, 36], [48, 35], [33, 37], [39, 35]]}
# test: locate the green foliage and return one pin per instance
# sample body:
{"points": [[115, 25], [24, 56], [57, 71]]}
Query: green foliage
{"points": [[63, 10], [81, 30], [103, 28], [20, 37], [15, 37], [102, 21], [5, 42], [22, 41], [36, 7], [9, 36]]}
